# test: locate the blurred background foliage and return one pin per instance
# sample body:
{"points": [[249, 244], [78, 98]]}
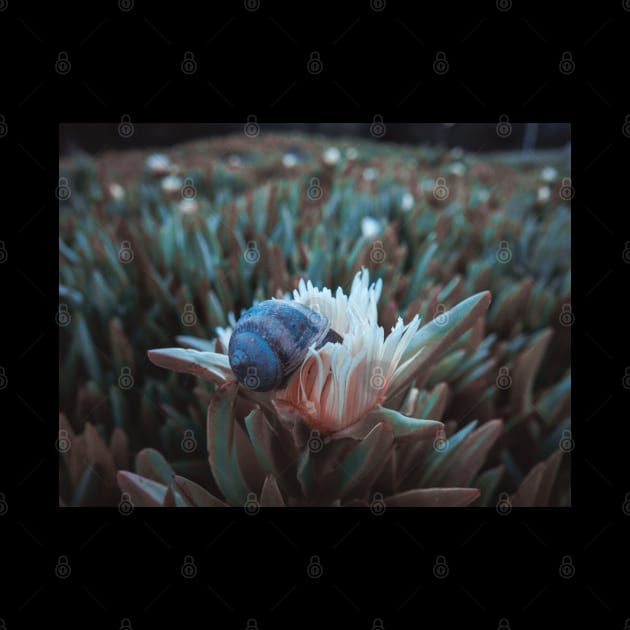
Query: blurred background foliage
{"points": [[157, 244]]}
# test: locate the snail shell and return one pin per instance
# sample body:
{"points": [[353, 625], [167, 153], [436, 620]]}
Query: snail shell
{"points": [[271, 340]]}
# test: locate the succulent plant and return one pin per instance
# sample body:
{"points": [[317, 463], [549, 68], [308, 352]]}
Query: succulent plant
{"points": [[473, 405]]}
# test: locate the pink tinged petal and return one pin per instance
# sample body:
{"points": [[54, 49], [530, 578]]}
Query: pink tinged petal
{"points": [[209, 366]]}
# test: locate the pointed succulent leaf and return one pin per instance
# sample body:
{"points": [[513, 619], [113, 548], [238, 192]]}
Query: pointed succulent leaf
{"points": [[169, 497], [89, 490], [151, 464], [552, 465], [220, 435], [99, 455], [440, 459], [364, 462], [526, 494], [433, 497], [270, 495], [196, 343], [487, 483], [195, 495], [536, 489], [525, 370], [209, 366], [407, 429], [436, 336], [119, 447], [472, 454], [142, 492]]}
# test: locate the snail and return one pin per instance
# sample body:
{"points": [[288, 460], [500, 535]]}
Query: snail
{"points": [[271, 340]]}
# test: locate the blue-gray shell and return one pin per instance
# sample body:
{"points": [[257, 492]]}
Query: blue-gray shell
{"points": [[270, 341]]}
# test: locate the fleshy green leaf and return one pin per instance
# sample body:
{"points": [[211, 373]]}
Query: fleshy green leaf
{"points": [[433, 497], [195, 495], [210, 366], [270, 495]]}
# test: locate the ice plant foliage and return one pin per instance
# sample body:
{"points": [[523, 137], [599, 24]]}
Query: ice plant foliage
{"points": [[405, 412]]}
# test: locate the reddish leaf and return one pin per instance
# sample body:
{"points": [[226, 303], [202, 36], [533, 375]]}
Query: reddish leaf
{"points": [[433, 497]]}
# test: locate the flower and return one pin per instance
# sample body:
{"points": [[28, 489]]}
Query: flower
{"points": [[340, 383]]}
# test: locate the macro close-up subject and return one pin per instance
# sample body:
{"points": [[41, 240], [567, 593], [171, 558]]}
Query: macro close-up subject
{"points": [[306, 315]]}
